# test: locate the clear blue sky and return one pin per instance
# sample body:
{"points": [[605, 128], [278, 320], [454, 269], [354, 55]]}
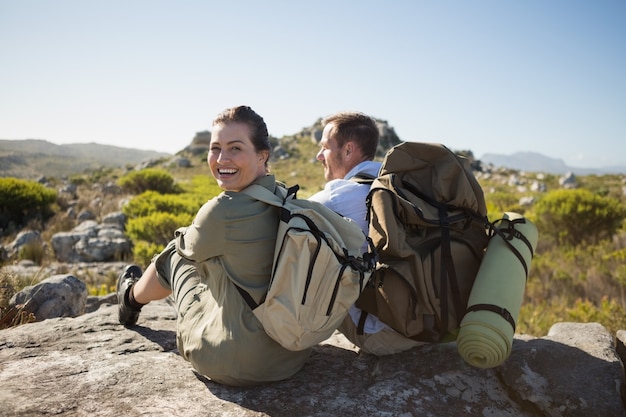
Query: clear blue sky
{"points": [[492, 76]]}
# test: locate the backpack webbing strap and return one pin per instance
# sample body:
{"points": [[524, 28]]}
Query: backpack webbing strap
{"points": [[246, 296], [361, 325], [448, 275], [467, 212], [508, 234], [494, 309], [459, 308], [443, 276]]}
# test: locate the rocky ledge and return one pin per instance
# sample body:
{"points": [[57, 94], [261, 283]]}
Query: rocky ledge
{"points": [[91, 365]]}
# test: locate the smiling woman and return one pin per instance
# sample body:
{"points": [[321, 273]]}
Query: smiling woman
{"points": [[232, 238]]}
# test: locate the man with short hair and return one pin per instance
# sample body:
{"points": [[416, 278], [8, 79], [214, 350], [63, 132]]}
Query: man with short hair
{"points": [[348, 147]]}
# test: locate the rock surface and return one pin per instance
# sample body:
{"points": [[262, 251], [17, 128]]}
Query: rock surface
{"points": [[91, 241], [91, 365]]}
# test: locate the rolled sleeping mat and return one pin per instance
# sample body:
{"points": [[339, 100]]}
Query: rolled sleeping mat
{"points": [[486, 332]]}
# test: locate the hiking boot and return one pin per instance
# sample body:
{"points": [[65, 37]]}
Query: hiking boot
{"points": [[127, 315]]}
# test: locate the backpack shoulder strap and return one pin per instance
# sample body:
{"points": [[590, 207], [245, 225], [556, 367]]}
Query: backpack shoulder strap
{"points": [[263, 194], [363, 178]]}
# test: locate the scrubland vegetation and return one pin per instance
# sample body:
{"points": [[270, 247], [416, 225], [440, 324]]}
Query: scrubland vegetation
{"points": [[578, 272]]}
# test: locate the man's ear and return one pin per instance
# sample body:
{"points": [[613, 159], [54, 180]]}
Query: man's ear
{"points": [[348, 150]]}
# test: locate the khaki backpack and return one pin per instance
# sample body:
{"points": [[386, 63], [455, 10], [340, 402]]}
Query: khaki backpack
{"points": [[428, 222], [319, 270]]}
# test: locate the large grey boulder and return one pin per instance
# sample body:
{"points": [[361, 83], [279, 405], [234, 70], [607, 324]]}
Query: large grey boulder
{"points": [[91, 365], [61, 295]]}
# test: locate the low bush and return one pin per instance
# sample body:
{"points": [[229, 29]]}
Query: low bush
{"points": [[151, 202], [23, 200], [578, 216], [153, 217], [147, 179], [157, 228], [143, 251]]}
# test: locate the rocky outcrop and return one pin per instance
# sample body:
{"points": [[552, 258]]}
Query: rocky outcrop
{"points": [[200, 143], [91, 241], [91, 365]]}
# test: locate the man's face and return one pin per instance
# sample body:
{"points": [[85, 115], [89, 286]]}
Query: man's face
{"points": [[331, 156]]}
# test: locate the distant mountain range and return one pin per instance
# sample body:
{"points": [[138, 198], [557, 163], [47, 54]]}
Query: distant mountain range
{"points": [[32, 158], [535, 162]]}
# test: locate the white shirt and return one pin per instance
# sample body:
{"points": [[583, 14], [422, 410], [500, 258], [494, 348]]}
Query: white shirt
{"points": [[347, 198]]}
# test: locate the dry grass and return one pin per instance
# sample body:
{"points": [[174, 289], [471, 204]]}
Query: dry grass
{"points": [[12, 315]]}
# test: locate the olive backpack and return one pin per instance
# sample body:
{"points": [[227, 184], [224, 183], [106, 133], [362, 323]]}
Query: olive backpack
{"points": [[428, 223]]}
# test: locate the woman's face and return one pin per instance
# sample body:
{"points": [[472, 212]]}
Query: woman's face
{"points": [[234, 162]]}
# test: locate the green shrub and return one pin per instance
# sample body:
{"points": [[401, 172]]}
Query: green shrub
{"points": [[573, 217], [203, 186], [22, 200], [608, 313], [143, 252], [151, 202], [153, 179], [157, 228], [498, 202], [536, 319], [153, 217]]}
